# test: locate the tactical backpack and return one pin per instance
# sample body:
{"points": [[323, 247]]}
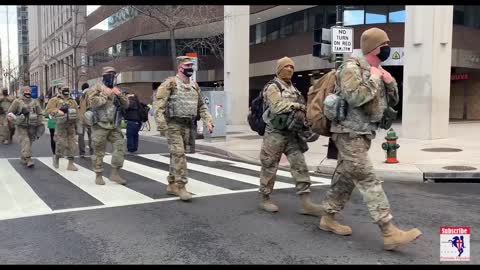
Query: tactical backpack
{"points": [[257, 108], [317, 93], [143, 111]]}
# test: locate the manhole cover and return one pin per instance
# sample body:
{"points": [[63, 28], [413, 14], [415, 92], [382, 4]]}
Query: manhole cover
{"points": [[459, 168], [440, 149]]}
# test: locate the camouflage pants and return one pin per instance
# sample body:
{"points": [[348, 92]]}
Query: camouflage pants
{"points": [[273, 146], [355, 169], [100, 137], [65, 140], [178, 136], [4, 129], [25, 142]]}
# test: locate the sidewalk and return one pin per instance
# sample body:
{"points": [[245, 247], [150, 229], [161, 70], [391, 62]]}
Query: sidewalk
{"points": [[462, 148]]}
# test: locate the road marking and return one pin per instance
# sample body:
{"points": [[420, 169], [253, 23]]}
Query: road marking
{"points": [[194, 186], [217, 172], [17, 198], [109, 194], [252, 167]]}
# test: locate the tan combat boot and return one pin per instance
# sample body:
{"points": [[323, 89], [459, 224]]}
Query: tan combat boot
{"points": [[393, 237], [172, 189], [310, 208], [267, 204], [99, 179], [56, 160], [183, 193], [115, 177], [329, 224], [30, 163], [71, 166]]}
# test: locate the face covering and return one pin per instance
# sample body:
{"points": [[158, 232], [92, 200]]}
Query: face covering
{"points": [[5, 92], [384, 53], [286, 74], [65, 92], [27, 95], [109, 80], [188, 72]]}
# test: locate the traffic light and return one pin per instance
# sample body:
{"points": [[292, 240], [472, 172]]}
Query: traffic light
{"points": [[321, 43]]}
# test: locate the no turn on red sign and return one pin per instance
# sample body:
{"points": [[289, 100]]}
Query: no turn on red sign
{"points": [[342, 40]]}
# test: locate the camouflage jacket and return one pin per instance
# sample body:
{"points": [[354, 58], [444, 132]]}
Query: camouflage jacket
{"points": [[280, 102], [164, 91], [57, 102], [104, 106], [5, 102], [32, 105], [365, 95]]}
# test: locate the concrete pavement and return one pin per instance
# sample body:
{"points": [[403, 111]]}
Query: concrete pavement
{"points": [[417, 158]]}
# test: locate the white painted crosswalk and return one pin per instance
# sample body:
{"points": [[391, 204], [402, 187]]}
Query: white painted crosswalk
{"points": [[46, 190]]}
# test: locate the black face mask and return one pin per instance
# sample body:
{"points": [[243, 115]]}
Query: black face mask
{"points": [[188, 72], [5, 93], [27, 95], [109, 80], [66, 92], [384, 53]]}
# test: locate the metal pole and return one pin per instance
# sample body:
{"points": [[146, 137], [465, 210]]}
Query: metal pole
{"points": [[332, 151]]}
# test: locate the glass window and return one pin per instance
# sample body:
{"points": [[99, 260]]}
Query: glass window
{"points": [[261, 33], [91, 9], [472, 19], [375, 14], [298, 21], [459, 15], [353, 15], [252, 34], [396, 14], [273, 29], [316, 17], [286, 25], [147, 47], [331, 16]]}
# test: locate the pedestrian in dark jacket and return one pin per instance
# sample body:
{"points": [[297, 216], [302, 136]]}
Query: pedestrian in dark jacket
{"points": [[134, 122]]}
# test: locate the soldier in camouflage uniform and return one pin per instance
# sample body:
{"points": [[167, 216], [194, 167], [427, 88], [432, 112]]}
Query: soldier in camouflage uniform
{"points": [[278, 140], [178, 101], [5, 126], [63, 109], [102, 98], [26, 113], [368, 90]]}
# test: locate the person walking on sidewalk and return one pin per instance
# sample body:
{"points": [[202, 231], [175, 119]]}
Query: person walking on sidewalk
{"points": [[369, 91], [281, 98], [178, 101], [7, 129], [134, 122]]}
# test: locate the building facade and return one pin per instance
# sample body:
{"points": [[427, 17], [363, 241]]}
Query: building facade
{"points": [[57, 47], [23, 48], [139, 48], [1, 66]]}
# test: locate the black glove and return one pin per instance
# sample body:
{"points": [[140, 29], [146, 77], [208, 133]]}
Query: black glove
{"points": [[309, 136], [296, 120], [64, 109], [25, 112]]}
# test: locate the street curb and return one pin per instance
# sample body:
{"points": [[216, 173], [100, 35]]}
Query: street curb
{"points": [[323, 170]]}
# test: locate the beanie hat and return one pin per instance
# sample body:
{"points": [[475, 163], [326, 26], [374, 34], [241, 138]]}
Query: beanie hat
{"points": [[372, 38], [283, 62]]}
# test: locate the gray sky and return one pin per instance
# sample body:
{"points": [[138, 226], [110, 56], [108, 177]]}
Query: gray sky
{"points": [[12, 22]]}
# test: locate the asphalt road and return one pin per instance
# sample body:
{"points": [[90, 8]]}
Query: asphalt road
{"points": [[225, 228]]}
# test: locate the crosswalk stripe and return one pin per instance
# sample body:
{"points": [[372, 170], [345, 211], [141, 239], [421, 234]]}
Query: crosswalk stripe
{"points": [[217, 172], [194, 186], [109, 194], [17, 198], [252, 167]]}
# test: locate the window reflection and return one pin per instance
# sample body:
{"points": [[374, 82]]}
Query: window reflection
{"points": [[121, 16], [353, 15], [396, 14], [375, 14]]}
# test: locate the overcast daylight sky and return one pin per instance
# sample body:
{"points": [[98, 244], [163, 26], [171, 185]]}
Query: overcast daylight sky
{"points": [[12, 22]]}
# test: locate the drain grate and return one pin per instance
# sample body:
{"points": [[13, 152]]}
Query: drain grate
{"points": [[459, 168], [442, 149]]}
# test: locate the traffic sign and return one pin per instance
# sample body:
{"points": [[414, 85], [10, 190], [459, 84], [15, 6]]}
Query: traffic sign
{"points": [[34, 91], [342, 40]]}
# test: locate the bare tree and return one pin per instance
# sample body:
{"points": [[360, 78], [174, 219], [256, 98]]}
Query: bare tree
{"points": [[77, 40], [175, 17], [13, 75]]}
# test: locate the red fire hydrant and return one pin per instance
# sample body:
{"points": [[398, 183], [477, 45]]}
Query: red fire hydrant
{"points": [[391, 146]]}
